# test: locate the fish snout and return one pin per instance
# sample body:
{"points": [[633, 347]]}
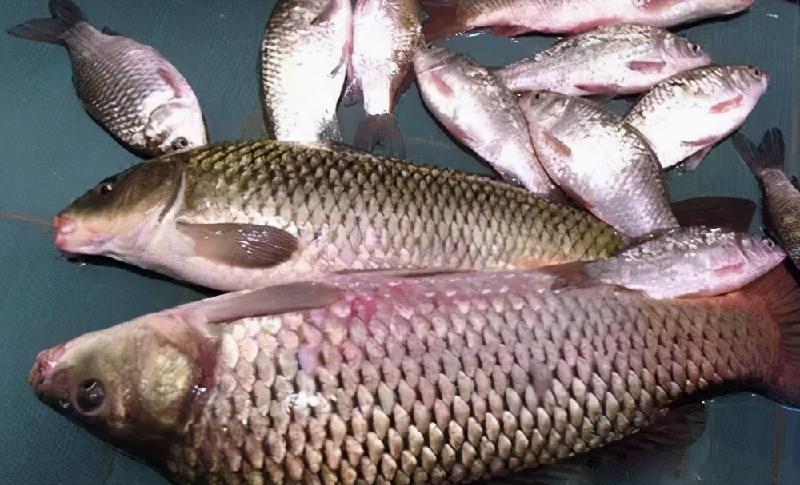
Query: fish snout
{"points": [[41, 375], [64, 225]]}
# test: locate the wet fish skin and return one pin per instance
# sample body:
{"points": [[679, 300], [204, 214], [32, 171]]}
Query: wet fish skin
{"points": [[385, 35], [617, 59], [247, 214], [599, 161], [689, 261], [304, 59], [516, 17], [686, 115], [129, 88], [781, 196], [450, 378], [479, 111]]}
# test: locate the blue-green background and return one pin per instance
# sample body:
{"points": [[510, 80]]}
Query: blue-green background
{"points": [[51, 151]]}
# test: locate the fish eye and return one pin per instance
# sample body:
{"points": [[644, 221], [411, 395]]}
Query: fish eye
{"points": [[694, 47], [756, 71], [105, 188], [180, 142], [89, 396], [538, 95]]}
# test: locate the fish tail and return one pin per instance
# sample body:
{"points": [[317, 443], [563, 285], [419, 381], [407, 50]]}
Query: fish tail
{"points": [[769, 153], [380, 134], [781, 292], [442, 19], [65, 15]]}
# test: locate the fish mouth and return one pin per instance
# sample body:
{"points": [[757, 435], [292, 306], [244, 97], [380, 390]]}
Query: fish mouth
{"points": [[71, 238], [42, 374]]}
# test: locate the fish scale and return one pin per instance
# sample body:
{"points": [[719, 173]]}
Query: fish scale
{"points": [[526, 378], [352, 210]]}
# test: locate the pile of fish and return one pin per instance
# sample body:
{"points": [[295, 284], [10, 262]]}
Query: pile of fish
{"points": [[391, 322]]}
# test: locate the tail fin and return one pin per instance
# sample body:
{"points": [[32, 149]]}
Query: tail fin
{"points": [[442, 19], [381, 135], [781, 291], [65, 15], [768, 154]]}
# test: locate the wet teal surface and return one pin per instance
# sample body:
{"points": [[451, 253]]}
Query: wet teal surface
{"points": [[51, 151]]}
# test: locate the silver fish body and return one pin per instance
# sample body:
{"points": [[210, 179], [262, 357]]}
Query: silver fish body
{"points": [[689, 261], [129, 88], [516, 17], [304, 59], [445, 379], [599, 161], [617, 59], [686, 115], [479, 111]]}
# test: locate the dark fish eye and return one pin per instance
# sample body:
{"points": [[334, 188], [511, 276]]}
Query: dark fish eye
{"points": [[180, 142], [105, 188], [537, 96], [756, 72], [694, 47], [89, 396]]}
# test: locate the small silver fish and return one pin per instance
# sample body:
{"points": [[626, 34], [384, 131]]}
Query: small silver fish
{"points": [[385, 35], [617, 59], [599, 161], [683, 117], [304, 59], [690, 261], [516, 17], [480, 111], [127, 87]]}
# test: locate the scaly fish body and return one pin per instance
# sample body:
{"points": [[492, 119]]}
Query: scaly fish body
{"points": [[599, 161], [620, 59], [446, 379], [304, 59], [516, 17], [127, 87], [781, 195], [479, 111], [385, 34], [248, 214], [687, 114]]}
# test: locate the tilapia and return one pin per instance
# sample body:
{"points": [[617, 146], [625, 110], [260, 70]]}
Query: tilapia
{"points": [[129, 88], [247, 214], [684, 116], [304, 60], [445, 379], [781, 195], [516, 17], [480, 112], [385, 35], [691, 261], [613, 60], [599, 161]]}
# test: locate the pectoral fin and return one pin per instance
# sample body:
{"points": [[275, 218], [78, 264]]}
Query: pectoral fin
{"points": [[241, 245]]}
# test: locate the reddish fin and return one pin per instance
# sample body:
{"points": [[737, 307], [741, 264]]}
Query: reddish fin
{"points": [[649, 67], [509, 30], [728, 212], [241, 245], [702, 142], [781, 294], [599, 88], [728, 105], [557, 145], [381, 135], [272, 300], [694, 160], [655, 5], [442, 20], [173, 82], [440, 84]]}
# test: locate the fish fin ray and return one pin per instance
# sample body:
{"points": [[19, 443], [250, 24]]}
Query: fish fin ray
{"points": [[647, 66], [770, 153], [109, 31], [41, 30], [271, 300], [733, 213], [694, 160], [380, 134], [66, 11], [241, 245]]}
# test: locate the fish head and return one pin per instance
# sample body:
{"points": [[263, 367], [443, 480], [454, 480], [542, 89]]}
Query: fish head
{"points": [[682, 53], [113, 217], [175, 126], [543, 109], [133, 384], [749, 81]]}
